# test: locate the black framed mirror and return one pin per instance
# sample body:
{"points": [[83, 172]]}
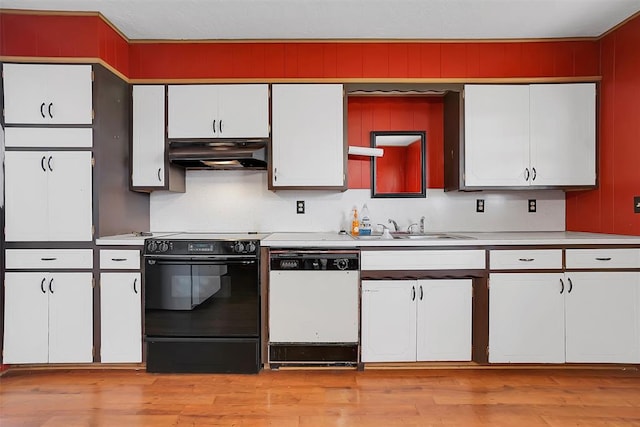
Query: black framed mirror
{"points": [[401, 170]]}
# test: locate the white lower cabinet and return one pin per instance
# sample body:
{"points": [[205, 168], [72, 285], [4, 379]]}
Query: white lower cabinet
{"points": [[48, 317], [575, 317], [416, 320], [120, 318]]}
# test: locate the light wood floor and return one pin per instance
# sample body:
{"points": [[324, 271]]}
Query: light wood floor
{"points": [[322, 398]]}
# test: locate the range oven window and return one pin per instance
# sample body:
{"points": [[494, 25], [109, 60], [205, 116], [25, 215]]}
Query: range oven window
{"points": [[199, 298]]}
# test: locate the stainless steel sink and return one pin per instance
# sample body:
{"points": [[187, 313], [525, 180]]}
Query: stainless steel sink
{"points": [[429, 236], [399, 235]]}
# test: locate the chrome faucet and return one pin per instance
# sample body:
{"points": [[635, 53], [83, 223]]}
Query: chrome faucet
{"points": [[395, 224]]}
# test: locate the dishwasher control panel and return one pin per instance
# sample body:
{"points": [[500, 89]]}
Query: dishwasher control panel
{"points": [[315, 261]]}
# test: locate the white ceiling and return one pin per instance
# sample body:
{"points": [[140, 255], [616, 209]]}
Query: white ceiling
{"points": [[349, 19]]}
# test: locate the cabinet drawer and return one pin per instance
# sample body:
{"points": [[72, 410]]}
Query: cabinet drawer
{"points": [[49, 137], [45, 259], [423, 260], [525, 259], [120, 259], [603, 258]]}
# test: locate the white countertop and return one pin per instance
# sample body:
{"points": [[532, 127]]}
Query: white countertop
{"points": [[476, 239], [335, 240]]}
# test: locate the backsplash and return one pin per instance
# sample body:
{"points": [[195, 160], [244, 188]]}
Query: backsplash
{"points": [[239, 201]]}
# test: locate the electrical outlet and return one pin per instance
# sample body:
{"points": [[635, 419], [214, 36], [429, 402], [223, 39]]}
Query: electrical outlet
{"points": [[636, 204], [532, 205], [479, 205], [300, 207]]}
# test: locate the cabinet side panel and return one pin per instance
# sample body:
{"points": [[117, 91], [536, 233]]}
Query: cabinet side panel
{"points": [[118, 209]]}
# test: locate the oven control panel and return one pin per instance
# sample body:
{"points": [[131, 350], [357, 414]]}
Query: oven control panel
{"points": [[201, 247]]}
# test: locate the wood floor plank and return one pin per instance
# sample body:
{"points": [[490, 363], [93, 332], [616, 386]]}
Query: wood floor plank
{"points": [[509, 397]]}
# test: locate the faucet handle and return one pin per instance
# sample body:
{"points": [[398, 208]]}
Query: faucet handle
{"points": [[422, 219]]}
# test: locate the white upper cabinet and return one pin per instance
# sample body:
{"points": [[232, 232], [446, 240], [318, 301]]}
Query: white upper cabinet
{"points": [[47, 94], [308, 136], [530, 135], [218, 111], [148, 154], [496, 126], [48, 196], [563, 134]]}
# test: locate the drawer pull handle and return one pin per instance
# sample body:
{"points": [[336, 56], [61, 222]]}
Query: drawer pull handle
{"points": [[134, 285], [118, 259], [526, 259], [48, 259], [562, 286], [603, 259]]}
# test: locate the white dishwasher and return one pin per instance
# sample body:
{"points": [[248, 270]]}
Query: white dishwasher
{"points": [[313, 307]]}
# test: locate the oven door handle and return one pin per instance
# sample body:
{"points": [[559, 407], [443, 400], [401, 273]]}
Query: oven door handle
{"points": [[209, 261]]}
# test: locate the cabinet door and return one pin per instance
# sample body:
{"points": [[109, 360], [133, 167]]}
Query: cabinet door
{"points": [[193, 111], [308, 140], [70, 317], [148, 136], [26, 211], [603, 317], [26, 318], [47, 94], [388, 321], [120, 318], [526, 318], [444, 320], [69, 194], [496, 127], [563, 134], [243, 111]]}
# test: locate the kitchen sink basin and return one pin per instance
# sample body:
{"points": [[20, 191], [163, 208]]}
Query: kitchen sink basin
{"points": [[416, 236], [429, 236]]}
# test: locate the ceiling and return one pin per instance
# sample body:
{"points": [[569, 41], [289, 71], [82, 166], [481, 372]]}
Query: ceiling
{"points": [[350, 19]]}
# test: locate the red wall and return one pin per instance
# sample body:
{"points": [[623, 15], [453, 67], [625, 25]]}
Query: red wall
{"points": [[609, 209], [366, 114], [89, 36], [362, 60], [60, 36]]}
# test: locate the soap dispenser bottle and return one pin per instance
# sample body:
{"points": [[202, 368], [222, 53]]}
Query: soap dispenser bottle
{"points": [[365, 223], [355, 224]]}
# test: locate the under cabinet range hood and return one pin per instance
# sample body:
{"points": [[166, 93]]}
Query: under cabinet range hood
{"points": [[219, 154]]}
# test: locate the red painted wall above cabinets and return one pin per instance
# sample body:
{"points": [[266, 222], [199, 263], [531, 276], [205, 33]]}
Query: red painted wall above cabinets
{"points": [[368, 113], [609, 209], [89, 36], [63, 36]]}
